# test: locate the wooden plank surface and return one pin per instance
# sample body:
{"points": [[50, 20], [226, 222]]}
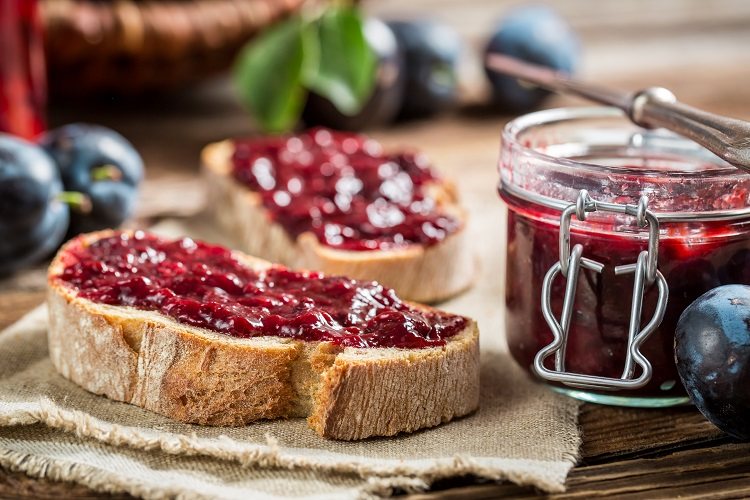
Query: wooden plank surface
{"points": [[627, 453]]}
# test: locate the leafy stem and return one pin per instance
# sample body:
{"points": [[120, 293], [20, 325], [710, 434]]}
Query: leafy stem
{"points": [[325, 52], [78, 202], [106, 173]]}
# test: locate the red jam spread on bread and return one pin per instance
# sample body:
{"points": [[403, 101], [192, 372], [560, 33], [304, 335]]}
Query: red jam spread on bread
{"points": [[344, 189], [206, 286]]}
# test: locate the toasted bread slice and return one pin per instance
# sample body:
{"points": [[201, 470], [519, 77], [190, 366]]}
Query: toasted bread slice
{"points": [[416, 272], [199, 376]]}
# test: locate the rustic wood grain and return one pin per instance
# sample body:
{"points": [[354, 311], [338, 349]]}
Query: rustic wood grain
{"points": [[16, 304], [611, 433], [717, 472], [19, 485]]}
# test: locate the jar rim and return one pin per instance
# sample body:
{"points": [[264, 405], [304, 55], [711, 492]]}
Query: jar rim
{"points": [[513, 129], [522, 123]]}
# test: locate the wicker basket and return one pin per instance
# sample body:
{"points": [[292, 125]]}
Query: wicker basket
{"points": [[131, 46]]}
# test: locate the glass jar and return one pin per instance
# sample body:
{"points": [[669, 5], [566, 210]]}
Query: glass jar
{"points": [[22, 72], [701, 225]]}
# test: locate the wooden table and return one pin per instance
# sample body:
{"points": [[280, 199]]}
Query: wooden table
{"points": [[626, 452]]}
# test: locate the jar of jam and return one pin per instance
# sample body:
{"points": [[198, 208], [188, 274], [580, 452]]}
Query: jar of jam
{"points": [[612, 231]]}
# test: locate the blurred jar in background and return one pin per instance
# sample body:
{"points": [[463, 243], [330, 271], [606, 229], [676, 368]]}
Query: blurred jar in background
{"points": [[22, 73]]}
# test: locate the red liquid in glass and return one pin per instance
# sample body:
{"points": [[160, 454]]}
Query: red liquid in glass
{"points": [[22, 72], [205, 286], [692, 259]]}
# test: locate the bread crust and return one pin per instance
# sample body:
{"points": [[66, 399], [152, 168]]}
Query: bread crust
{"points": [[418, 273], [197, 376]]}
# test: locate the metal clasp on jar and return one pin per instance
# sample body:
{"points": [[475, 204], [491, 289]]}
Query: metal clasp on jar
{"points": [[569, 266]]}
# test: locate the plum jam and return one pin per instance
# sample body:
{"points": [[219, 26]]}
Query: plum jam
{"points": [[205, 286], [704, 240], [344, 189]]}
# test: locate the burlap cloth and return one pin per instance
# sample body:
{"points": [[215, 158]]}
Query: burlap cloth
{"points": [[51, 428]]}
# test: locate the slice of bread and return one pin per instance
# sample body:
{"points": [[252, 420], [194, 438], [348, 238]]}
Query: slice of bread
{"points": [[419, 273], [198, 376]]}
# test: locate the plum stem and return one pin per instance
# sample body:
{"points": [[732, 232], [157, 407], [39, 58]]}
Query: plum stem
{"points": [[79, 202], [106, 172]]}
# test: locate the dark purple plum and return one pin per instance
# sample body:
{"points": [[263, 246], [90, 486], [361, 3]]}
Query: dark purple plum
{"points": [[387, 96], [712, 352], [33, 221], [431, 51], [101, 164], [536, 34]]}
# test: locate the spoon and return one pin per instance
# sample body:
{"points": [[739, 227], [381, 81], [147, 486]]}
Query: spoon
{"points": [[654, 107]]}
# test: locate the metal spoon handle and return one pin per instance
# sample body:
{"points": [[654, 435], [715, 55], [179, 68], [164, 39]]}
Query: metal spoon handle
{"points": [[728, 138], [556, 81]]}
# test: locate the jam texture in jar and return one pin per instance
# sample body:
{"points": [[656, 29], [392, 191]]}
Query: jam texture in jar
{"points": [[206, 286], [704, 241], [345, 189]]}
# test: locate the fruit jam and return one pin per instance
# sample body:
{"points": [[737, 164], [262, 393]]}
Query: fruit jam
{"points": [[701, 204], [598, 335], [344, 189], [205, 286]]}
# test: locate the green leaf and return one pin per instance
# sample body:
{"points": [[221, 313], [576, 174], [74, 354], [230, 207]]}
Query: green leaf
{"points": [[269, 71], [346, 70]]}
